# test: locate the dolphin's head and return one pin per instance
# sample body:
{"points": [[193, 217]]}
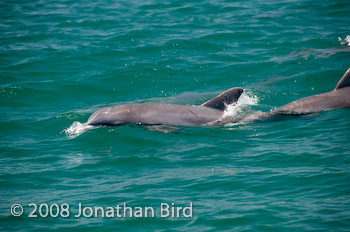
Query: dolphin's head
{"points": [[111, 116]]}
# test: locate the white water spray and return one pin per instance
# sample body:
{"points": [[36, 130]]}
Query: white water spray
{"points": [[345, 41], [77, 129], [240, 112]]}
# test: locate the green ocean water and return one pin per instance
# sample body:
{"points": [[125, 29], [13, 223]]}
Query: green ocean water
{"points": [[62, 60]]}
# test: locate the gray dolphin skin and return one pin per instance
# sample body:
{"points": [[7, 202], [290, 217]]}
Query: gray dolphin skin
{"points": [[213, 110], [337, 98], [166, 114]]}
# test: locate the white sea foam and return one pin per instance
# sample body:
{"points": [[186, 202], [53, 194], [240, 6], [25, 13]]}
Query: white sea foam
{"points": [[77, 129], [246, 99], [345, 41], [241, 112]]}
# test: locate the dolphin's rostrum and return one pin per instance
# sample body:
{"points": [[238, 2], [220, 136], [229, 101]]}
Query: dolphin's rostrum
{"points": [[213, 110]]}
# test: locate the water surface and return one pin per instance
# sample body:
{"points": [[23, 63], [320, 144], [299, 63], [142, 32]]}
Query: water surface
{"points": [[63, 60]]}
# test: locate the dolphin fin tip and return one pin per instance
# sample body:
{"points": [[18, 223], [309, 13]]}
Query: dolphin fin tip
{"points": [[227, 97], [344, 81]]}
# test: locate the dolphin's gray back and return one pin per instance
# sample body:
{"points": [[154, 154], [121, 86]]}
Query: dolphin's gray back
{"points": [[180, 115], [338, 98], [165, 114]]}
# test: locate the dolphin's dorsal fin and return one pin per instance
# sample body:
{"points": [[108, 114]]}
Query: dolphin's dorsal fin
{"points": [[344, 81], [228, 97]]}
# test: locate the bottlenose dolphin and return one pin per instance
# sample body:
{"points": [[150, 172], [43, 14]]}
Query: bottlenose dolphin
{"points": [[337, 98], [212, 111], [166, 114]]}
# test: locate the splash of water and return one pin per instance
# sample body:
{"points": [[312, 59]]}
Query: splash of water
{"points": [[345, 41], [77, 129], [241, 112]]}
